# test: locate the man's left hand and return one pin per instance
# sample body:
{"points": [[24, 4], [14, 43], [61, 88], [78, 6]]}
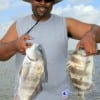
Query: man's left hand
{"points": [[88, 43]]}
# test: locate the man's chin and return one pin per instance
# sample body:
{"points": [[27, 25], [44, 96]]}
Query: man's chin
{"points": [[41, 16]]}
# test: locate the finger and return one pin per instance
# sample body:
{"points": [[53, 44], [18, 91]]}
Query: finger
{"points": [[85, 47], [27, 37], [23, 51], [94, 48], [91, 49], [28, 44], [79, 46]]}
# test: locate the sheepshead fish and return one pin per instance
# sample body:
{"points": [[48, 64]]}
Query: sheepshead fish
{"points": [[80, 69], [32, 73]]}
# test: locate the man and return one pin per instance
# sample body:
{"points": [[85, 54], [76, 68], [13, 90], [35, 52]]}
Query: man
{"points": [[52, 32]]}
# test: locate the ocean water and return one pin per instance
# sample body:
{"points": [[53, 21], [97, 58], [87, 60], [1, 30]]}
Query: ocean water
{"points": [[7, 80]]}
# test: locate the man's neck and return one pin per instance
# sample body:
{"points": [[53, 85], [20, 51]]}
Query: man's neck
{"points": [[41, 18]]}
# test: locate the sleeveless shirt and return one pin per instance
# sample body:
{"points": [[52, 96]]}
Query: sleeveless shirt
{"points": [[52, 35]]}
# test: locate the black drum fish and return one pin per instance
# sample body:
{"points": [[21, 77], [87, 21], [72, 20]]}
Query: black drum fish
{"points": [[80, 68], [33, 71]]}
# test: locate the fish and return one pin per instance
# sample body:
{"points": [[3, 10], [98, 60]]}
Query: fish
{"points": [[80, 68], [32, 73]]}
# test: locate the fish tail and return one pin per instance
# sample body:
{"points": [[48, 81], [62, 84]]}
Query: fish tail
{"points": [[81, 95]]}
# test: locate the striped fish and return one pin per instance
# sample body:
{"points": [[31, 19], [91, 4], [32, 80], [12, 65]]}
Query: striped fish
{"points": [[80, 69], [33, 71]]}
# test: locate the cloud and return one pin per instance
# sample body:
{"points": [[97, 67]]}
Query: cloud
{"points": [[11, 10], [86, 13], [4, 4], [79, 1]]}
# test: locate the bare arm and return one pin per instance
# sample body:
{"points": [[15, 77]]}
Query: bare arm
{"points": [[95, 32], [76, 28], [88, 34], [11, 43], [8, 43], [7, 50]]}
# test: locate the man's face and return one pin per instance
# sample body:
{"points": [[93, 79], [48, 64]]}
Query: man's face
{"points": [[41, 8]]}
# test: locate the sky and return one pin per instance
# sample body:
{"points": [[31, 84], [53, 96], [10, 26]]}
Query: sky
{"points": [[84, 10]]}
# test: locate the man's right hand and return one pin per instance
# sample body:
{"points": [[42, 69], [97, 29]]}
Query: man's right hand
{"points": [[21, 45]]}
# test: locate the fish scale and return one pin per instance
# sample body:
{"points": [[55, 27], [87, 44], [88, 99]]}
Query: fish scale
{"points": [[31, 73], [80, 69]]}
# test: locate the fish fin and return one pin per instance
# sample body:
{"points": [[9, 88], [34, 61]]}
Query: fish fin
{"points": [[81, 95], [45, 75], [20, 70]]}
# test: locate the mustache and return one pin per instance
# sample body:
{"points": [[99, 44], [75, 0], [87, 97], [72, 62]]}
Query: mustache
{"points": [[42, 7]]}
